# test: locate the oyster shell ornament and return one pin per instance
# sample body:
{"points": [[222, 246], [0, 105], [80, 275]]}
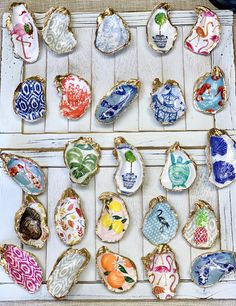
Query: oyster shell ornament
{"points": [[210, 92], [112, 32], [162, 271], [201, 229], [130, 172], [69, 218], [24, 33], [114, 218], [208, 269], [205, 34], [22, 267], [221, 158], [161, 34], [168, 102], [76, 95], [81, 157], [160, 223], [31, 223], [29, 101], [25, 172], [117, 272], [66, 271], [179, 171], [113, 104], [56, 32]]}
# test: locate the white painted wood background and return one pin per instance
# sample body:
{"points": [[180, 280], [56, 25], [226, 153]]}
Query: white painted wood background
{"points": [[45, 140]]}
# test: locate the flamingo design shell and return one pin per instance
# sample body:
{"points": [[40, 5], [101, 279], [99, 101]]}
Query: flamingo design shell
{"points": [[117, 272], [25, 172], [31, 223], [112, 32], [205, 34], [162, 271], [66, 271], [81, 156], [201, 229], [69, 218], [179, 171], [114, 218], [24, 33], [57, 33], [161, 34], [130, 172]]}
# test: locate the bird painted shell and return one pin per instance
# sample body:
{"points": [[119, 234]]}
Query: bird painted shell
{"points": [[29, 101], [81, 157], [179, 172], [201, 229], [25, 172], [114, 218], [160, 223], [168, 102], [210, 92], [208, 268], [66, 271], [205, 34], [22, 267], [161, 34], [112, 32], [24, 33], [117, 272], [69, 218], [76, 95], [129, 175], [162, 271], [31, 223], [113, 104], [221, 152], [56, 32]]}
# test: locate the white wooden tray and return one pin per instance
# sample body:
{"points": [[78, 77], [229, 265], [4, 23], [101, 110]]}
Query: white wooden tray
{"points": [[45, 141]]}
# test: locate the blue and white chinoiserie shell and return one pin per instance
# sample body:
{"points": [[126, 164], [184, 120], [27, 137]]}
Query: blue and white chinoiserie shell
{"points": [[209, 268], [130, 172], [160, 223], [30, 99], [210, 94], [168, 102], [221, 158], [117, 100], [112, 32]]}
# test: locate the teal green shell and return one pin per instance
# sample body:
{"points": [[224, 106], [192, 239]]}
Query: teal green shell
{"points": [[178, 171]]}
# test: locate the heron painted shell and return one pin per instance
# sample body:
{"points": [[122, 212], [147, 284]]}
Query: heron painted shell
{"points": [[221, 151], [114, 218], [24, 33], [113, 104], [161, 34], [22, 267], [25, 172], [117, 272], [162, 271], [210, 92], [81, 157], [112, 32], [205, 34], [69, 218], [76, 95], [160, 223], [31, 223], [129, 175], [179, 172], [66, 271], [201, 229], [56, 32], [168, 102]]}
